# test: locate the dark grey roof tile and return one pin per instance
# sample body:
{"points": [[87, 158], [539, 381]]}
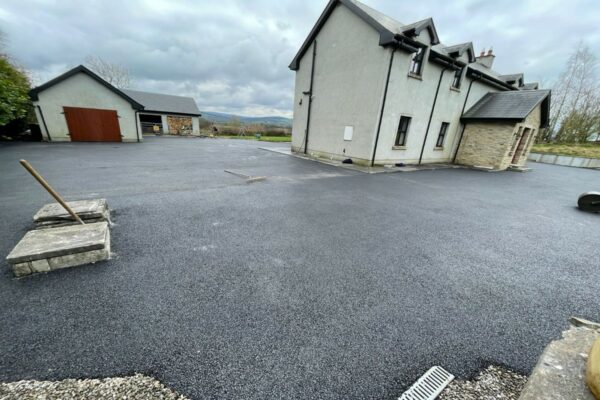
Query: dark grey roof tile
{"points": [[164, 102], [512, 105]]}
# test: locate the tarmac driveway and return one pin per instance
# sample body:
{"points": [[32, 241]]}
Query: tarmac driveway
{"points": [[317, 283]]}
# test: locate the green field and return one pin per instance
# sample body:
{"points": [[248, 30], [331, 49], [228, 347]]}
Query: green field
{"points": [[589, 150], [262, 139]]}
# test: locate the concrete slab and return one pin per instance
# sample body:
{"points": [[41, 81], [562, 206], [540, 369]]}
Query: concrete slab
{"points": [[53, 214], [560, 371], [61, 247]]}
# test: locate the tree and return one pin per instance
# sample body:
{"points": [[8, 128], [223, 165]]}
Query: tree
{"points": [[575, 109], [204, 123], [115, 74], [14, 90], [237, 126]]}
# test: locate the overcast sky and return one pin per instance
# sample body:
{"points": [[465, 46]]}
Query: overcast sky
{"points": [[232, 55]]}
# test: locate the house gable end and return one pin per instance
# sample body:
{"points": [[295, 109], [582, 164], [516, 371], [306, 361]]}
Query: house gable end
{"points": [[33, 93], [385, 36]]}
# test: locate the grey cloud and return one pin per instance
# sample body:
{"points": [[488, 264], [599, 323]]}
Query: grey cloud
{"points": [[232, 55]]}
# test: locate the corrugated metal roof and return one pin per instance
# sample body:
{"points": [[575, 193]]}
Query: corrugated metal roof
{"points": [[164, 102], [512, 105]]}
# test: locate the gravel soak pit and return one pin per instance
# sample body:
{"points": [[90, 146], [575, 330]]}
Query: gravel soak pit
{"points": [[493, 383], [132, 387]]}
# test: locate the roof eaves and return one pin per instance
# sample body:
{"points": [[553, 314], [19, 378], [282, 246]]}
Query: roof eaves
{"points": [[172, 112], [491, 79], [416, 28], [444, 60], [491, 119], [460, 49]]}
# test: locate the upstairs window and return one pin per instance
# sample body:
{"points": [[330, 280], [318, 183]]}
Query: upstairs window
{"points": [[402, 131], [416, 63], [442, 134], [457, 78]]}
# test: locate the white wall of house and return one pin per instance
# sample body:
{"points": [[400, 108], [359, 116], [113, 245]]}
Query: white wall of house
{"points": [[350, 71], [408, 96], [82, 91], [348, 89]]}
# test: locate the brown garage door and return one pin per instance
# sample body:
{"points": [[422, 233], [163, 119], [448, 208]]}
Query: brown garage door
{"points": [[92, 125]]}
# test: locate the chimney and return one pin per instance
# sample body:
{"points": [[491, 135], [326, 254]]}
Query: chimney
{"points": [[486, 59]]}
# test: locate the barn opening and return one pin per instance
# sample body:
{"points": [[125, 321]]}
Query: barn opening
{"points": [[151, 123]]}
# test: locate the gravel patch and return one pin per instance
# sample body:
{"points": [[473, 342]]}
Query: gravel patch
{"points": [[132, 387], [494, 383]]}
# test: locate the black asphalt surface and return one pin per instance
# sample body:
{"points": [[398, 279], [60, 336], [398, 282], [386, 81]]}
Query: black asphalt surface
{"points": [[317, 283]]}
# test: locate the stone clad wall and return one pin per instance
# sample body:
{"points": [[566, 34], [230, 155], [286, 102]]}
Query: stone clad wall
{"points": [[486, 144], [490, 144], [532, 121]]}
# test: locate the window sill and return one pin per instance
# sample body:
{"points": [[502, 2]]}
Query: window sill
{"points": [[455, 89], [398, 147], [438, 148], [415, 76]]}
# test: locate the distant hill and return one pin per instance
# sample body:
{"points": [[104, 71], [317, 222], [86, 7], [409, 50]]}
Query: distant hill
{"points": [[222, 118]]}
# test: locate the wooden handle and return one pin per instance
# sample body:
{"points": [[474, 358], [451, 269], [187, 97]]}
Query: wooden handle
{"points": [[52, 192]]}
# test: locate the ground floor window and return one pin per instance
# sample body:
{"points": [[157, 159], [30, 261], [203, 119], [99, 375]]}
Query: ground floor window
{"points": [[402, 131], [442, 134]]}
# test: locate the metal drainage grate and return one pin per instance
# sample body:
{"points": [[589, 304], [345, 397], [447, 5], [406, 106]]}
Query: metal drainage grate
{"points": [[429, 386]]}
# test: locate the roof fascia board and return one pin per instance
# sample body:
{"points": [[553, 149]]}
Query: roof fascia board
{"points": [[471, 119], [489, 79], [172, 113], [444, 60]]}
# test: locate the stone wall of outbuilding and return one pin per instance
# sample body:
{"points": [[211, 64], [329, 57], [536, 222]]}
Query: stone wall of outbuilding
{"points": [[492, 144], [486, 144]]}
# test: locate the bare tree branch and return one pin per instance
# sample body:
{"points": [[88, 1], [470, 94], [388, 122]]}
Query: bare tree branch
{"points": [[575, 110], [115, 74]]}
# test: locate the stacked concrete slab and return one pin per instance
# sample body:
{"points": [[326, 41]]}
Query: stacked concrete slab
{"points": [[54, 214], [63, 243]]}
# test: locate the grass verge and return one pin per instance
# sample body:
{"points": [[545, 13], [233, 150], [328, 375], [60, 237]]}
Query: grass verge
{"points": [[589, 150], [262, 139]]}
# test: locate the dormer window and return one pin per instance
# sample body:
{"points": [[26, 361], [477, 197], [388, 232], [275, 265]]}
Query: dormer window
{"points": [[457, 78], [416, 63]]}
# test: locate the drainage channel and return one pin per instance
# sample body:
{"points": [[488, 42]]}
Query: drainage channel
{"points": [[428, 386]]}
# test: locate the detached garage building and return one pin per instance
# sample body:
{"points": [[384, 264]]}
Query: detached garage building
{"points": [[80, 106]]}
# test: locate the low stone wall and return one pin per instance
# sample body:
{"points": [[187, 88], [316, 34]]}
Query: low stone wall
{"points": [[569, 161]]}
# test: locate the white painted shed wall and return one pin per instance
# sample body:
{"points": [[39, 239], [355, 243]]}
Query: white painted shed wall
{"points": [[82, 91]]}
